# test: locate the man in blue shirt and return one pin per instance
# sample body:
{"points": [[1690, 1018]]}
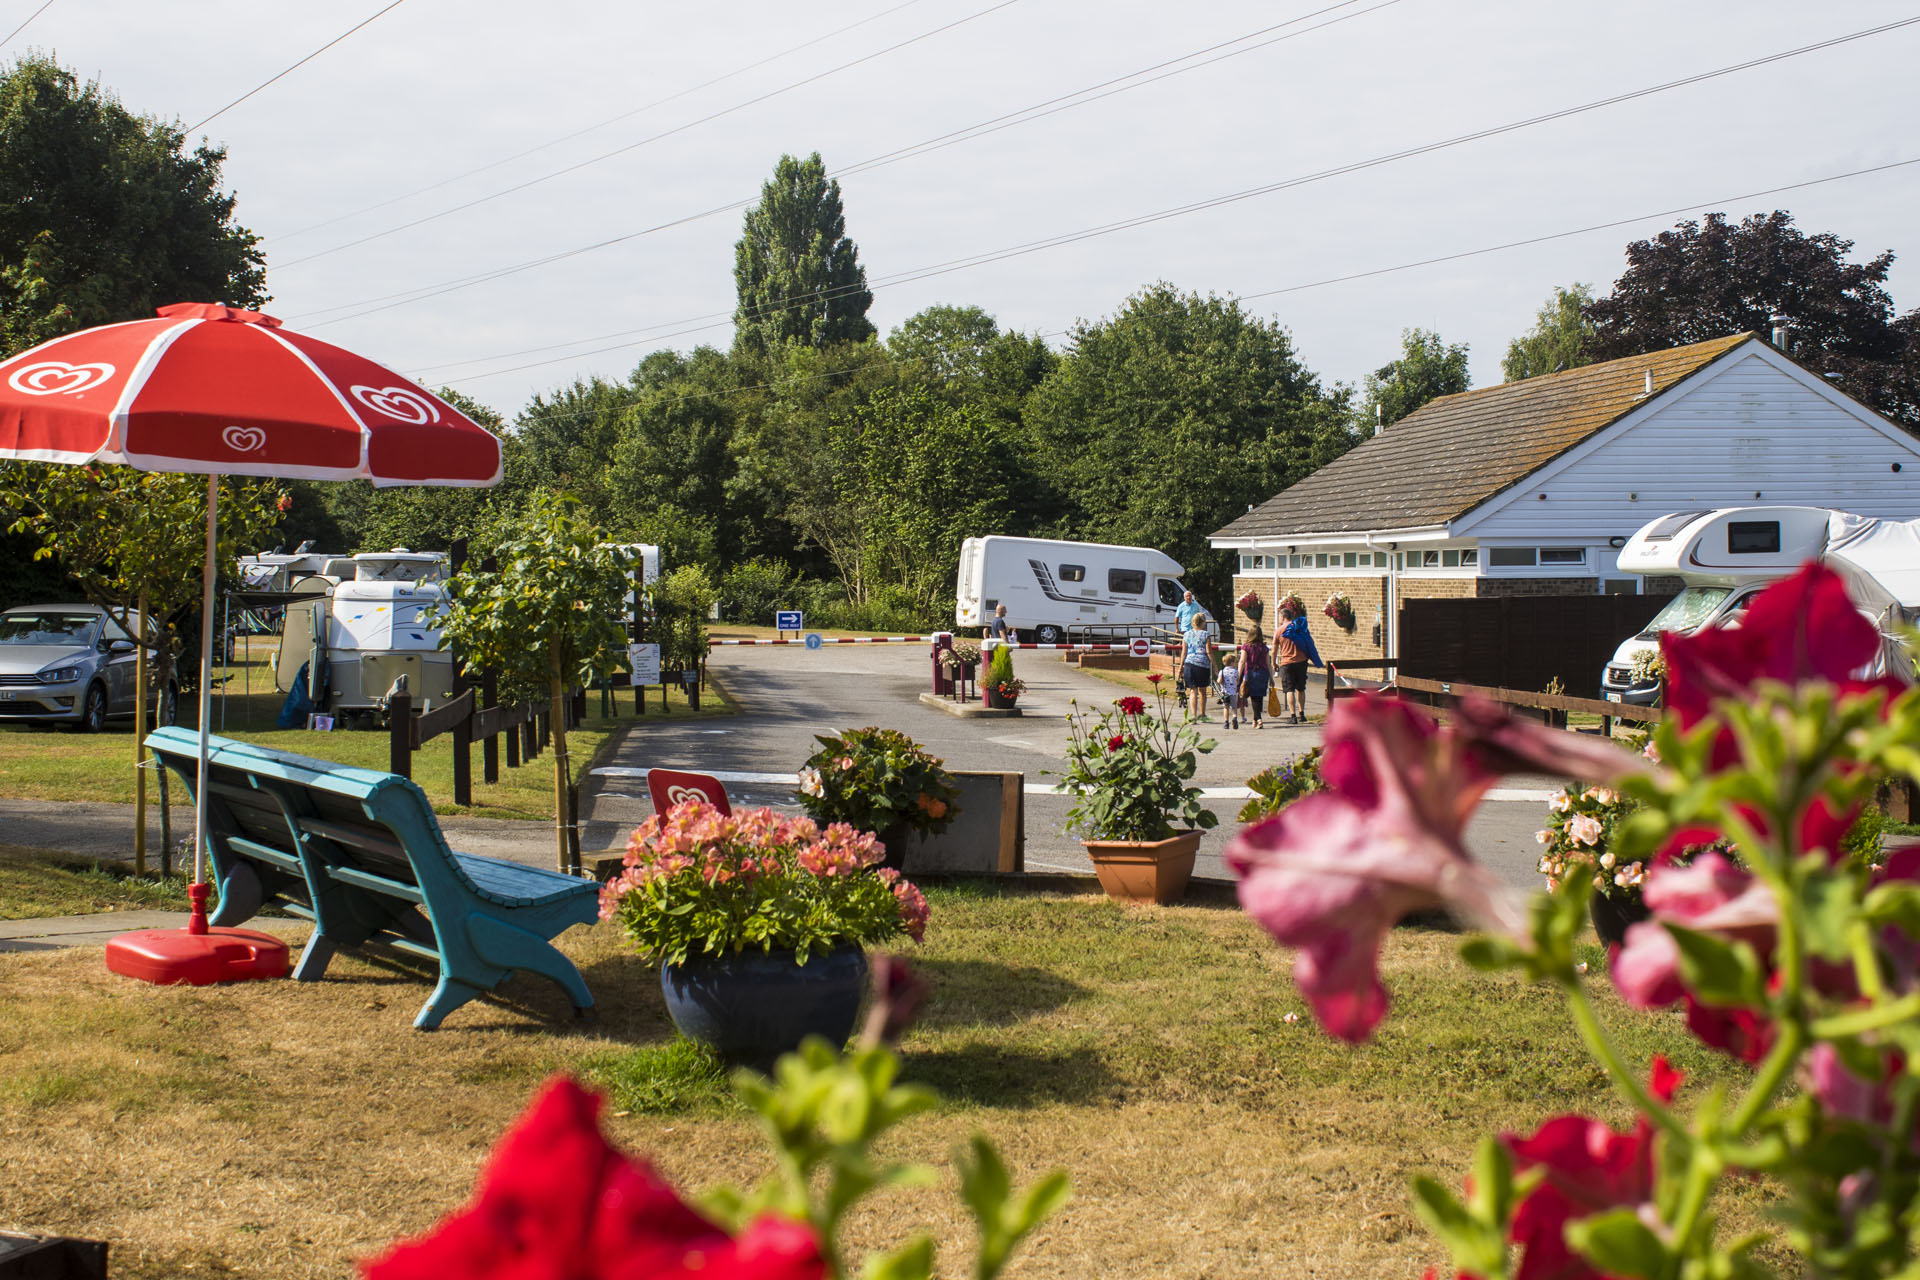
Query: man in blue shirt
{"points": [[1183, 616]]}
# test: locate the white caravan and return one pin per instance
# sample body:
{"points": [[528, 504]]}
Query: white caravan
{"points": [[369, 631], [1727, 557], [1050, 587]]}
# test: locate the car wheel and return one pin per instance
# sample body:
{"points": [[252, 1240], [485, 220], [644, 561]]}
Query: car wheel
{"points": [[93, 712], [1047, 635]]}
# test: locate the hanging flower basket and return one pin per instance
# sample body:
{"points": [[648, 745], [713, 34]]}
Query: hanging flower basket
{"points": [[1252, 605]]}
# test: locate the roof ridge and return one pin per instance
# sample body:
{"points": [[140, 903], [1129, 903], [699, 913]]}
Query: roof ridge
{"points": [[1588, 370]]}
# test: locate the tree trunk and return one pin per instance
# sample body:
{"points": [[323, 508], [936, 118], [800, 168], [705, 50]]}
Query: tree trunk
{"points": [[557, 718]]}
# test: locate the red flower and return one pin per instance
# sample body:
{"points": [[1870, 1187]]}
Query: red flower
{"points": [[557, 1202], [285, 504], [1116, 742], [1155, 678], [898, 993], [1587, 1169], [1333, 871], [1132, 706], [1800, 629]]}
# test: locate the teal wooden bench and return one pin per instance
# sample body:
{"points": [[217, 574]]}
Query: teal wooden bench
{"points": [[360, 854]]}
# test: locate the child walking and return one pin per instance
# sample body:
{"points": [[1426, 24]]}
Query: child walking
{"points": [[1230, 690]]}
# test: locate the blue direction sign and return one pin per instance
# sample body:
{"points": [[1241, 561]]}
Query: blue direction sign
{"points": [[788, 619], [813, 640]]}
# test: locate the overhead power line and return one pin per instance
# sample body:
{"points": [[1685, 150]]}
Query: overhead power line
{"points": [[1091, 93], [296, 66], [665, 133], [8, 38], [579, 133], [1088, 233], [1612, 224]]}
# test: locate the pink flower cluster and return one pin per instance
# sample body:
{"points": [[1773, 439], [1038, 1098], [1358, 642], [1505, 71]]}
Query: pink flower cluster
{"points": [[727, 848], [914, 911], [841, 851]]}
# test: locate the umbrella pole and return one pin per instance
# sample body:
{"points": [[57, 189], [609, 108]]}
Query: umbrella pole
{"points": [[197, 892]]}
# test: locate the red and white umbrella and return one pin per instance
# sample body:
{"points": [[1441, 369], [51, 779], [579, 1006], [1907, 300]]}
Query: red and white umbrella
{"points": [[217, 390]]}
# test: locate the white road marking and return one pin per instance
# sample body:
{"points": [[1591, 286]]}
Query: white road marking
{"points": [[786, 779], [1521, 795]]}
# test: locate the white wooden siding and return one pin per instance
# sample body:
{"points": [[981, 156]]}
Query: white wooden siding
{"points": [[1750, 427]]}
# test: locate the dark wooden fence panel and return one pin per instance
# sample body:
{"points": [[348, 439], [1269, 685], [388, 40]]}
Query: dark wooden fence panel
{"points": [[1520, 642]]}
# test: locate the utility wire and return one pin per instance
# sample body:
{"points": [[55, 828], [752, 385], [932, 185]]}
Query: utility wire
{"points": [[8, 38], [1072, 237], [665, 133], [1036, 111], [296, 66], [1312, 284], [578, 133]]}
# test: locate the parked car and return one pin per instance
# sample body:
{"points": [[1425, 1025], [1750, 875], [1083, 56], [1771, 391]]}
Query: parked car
{"points": [[65, 664]]}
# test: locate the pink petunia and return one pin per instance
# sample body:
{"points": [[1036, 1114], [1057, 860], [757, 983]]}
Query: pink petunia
{"points": [[1332, 872]]}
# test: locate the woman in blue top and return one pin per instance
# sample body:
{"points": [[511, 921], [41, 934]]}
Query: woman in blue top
{"points": [[1197, 666]]}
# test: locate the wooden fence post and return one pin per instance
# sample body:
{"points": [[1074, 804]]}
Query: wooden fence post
{"points": [[490, 745], [400, 734], [463, 758], [514, 736]]}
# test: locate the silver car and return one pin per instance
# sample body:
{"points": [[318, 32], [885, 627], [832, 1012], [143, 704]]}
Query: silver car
{"points": [[65, 664]]}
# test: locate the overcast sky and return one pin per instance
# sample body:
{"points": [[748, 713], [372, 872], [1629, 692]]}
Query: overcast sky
{"points": [[435, 89]]}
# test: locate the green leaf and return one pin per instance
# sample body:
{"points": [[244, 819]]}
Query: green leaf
{"points": [[1895, 903], [1828, 905], [911, 1261], [1716, 971], [1619, 1244]]}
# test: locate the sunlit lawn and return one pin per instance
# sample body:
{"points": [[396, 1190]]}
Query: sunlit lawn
{"points": [[39, 764], [287, 1129]]}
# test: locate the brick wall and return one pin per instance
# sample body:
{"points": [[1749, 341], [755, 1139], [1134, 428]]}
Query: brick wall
{"points": [[1495, 588], [1368, 594], [1436, 588], [1663, 585]]}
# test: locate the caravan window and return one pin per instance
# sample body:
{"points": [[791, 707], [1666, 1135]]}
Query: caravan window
{"points": [[1170, 592], [1073, 573], [1126, 582], [1753, 537]]}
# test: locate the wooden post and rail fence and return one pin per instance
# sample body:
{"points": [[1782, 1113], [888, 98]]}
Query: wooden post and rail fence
{"points": [[1554, 708]]}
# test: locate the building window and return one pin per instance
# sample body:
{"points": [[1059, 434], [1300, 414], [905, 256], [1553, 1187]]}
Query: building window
{"points": [[1073, 573], [1563, 555], [1353, 560], [1429, 559], [1470, 558], [1126, 582], [1449, 559], [1509, 557], [1366, 559], [1322, 558]]}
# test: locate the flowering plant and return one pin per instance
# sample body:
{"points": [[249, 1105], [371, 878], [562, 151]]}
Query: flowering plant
{"points": [[1804, 962], [1252, 605], [1580, 826], [875, 779], [1648, 664], [1292, 601], [1131, 770], [961, 655], [1279, 786], [1000, 678], [1340, 609], [698, 882]]}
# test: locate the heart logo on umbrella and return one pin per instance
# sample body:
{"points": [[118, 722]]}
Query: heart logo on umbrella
{"points": [[57, 377], [244, 439], [402, 403]]}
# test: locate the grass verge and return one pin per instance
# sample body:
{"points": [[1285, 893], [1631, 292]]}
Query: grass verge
{"points": [[36, 884], [1148, 1050]]}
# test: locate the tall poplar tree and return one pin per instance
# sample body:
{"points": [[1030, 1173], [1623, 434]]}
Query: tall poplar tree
{"points": [[797, 275]]}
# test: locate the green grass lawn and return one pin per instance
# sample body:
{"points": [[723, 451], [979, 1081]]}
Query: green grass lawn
{"points": [[1147, 1050], [35, 884], [40, 764]]}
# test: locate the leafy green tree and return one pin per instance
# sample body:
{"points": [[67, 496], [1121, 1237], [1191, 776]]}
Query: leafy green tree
{"points": [[1704, 280], [106, 214], [1166, 421], [797, 275], [961, 354], [135, 543], [1427, 369], [1561, 337], [672, 458], [549, 618]]}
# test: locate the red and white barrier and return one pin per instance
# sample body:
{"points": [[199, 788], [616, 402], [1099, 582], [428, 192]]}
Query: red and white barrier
{"points": [[1123, 646], [833, 640]]}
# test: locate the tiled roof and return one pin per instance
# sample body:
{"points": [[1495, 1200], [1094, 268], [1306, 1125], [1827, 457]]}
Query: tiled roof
{"points": [[1456, 452]]}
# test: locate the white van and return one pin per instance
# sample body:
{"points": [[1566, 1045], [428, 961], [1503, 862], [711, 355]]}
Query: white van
{"points": [[1050, 587], [1727, 557]]}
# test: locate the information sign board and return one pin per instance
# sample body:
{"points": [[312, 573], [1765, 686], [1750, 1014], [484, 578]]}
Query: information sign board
{"points": [[645, 661]]}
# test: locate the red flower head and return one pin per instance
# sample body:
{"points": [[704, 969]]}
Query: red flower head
{"points": [[285, 504], [557, 1202], [1155, 678], [1333, 871], [1132, 706], [1116, 742], [898, 993]]}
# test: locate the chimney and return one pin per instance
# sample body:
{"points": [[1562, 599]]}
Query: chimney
{"points": [[1649, 387], [1379, 418], [1779, 331]]}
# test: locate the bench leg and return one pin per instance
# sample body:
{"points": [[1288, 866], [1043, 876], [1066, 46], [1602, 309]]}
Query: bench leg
{"points": [[313, 960], [511, 947], [241, 896], [448, 994]]}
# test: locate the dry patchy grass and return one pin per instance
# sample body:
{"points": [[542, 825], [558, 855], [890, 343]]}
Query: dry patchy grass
{"points": [[284, 1130], [36, 883]]}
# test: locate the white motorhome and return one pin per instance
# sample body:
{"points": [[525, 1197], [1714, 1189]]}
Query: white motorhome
{"points": [[1725, 558], [367, 632], [1050, 587]]}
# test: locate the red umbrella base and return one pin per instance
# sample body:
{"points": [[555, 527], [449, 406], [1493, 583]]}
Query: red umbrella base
{"points": [[166, 956]]}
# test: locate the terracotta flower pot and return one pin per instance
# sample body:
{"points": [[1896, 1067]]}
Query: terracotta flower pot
{"points": [[1145, 870]]}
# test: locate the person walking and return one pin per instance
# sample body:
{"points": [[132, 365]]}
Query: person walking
{"points": [[1294, 651], [1196, 666], [1256, 673], [1230, 690], [998, 629]]}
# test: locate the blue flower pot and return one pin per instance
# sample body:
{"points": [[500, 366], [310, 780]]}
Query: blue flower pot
{"points": [[752, 1006]]}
